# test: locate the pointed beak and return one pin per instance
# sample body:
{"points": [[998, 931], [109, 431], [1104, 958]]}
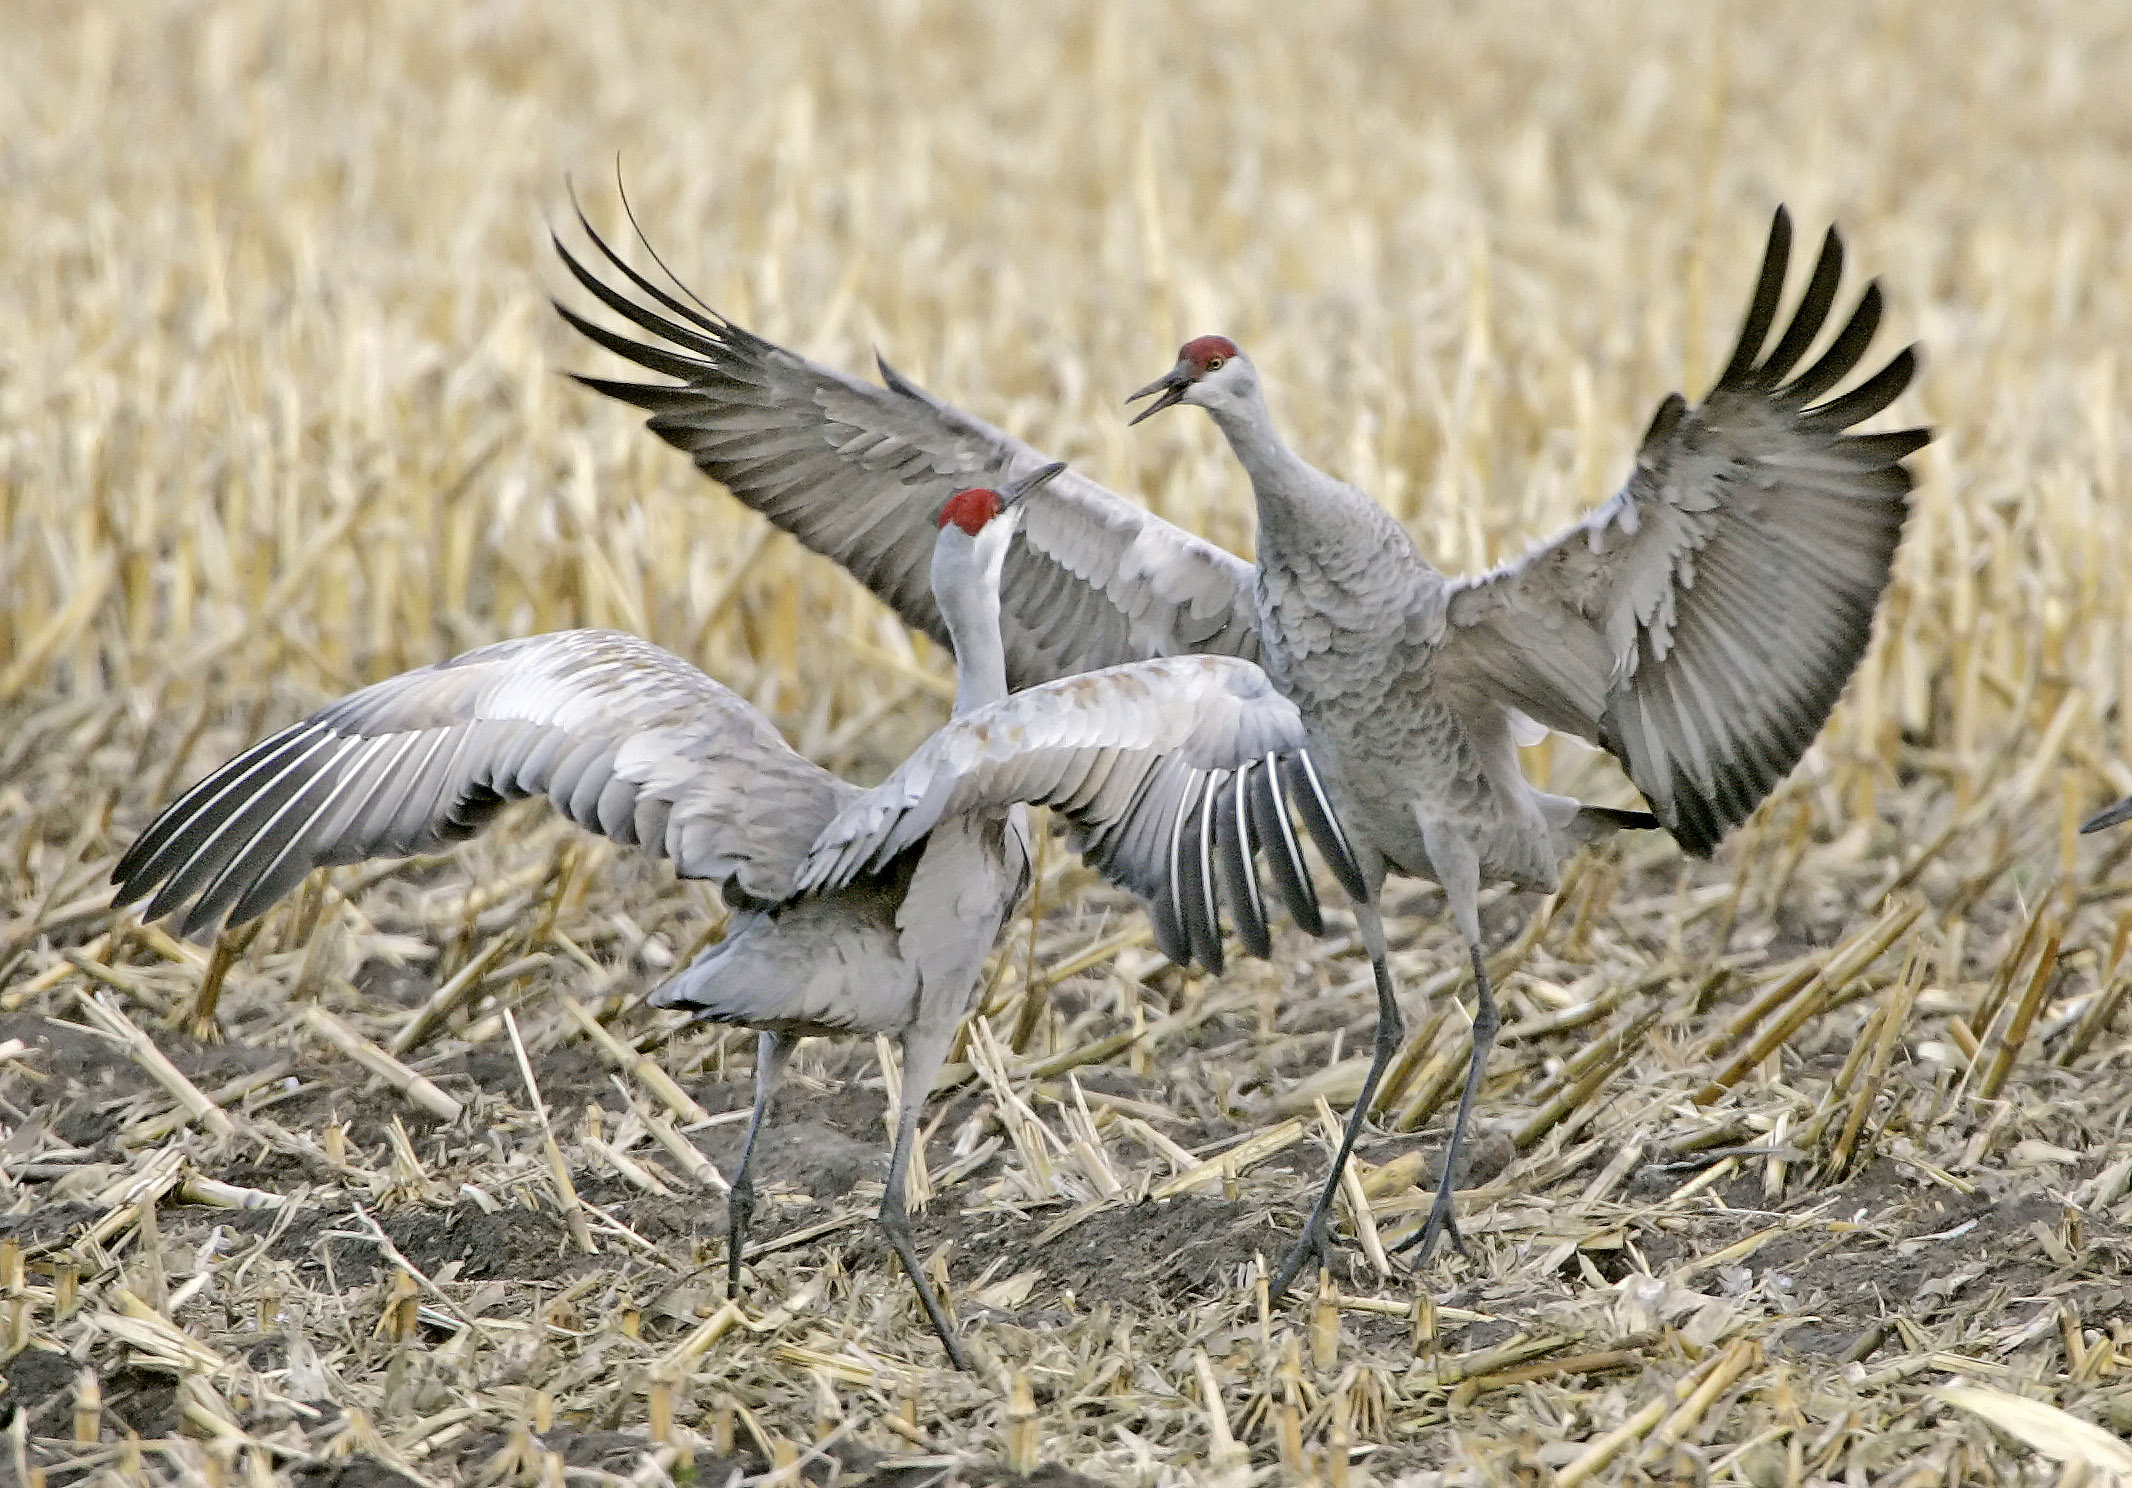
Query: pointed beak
{"points": [[1034, 480], [2109, 816], [1171, 385]]}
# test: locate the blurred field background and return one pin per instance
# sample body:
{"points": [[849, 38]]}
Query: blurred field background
{"points": [[280, 414]]}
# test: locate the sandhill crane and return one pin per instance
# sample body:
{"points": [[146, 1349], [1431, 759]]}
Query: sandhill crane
{"points": [[1699, 625], [2109, 816], [855, 911]]}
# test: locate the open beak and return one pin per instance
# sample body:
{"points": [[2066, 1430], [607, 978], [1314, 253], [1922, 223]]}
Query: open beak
{"points": [[1034, 480], [1171, 385]]}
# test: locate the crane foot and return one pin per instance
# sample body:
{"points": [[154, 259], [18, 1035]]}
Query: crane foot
{"points": [[896, 1226], [1312, 1245], [1440, 1223]]}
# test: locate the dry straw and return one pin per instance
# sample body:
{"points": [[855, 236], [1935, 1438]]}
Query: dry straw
{"points": [[1800, 1165]]}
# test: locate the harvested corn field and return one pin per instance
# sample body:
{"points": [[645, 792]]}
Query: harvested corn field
{"points": [[1805, 1163]]}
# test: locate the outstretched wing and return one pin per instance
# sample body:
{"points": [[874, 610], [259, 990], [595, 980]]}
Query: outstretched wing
{"points": [[1169, 771], [858, 473], [1701, 624], [626, 739]]}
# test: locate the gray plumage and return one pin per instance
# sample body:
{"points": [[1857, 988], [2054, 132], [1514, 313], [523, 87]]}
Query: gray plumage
{"points": [[1699, 625], [856, 911], [858, 472], [624, 738], [1139, 761]]}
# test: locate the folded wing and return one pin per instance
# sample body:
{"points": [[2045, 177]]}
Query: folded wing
{"points": [[1174, 774], [858, 473], [1701, 624], [626, 739]]}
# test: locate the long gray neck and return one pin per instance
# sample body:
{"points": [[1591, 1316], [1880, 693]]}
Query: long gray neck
{"points": [[1274, 468], [1306, 518], [966, 587]]}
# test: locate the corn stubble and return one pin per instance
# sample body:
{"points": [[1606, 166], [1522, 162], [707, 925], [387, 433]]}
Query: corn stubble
{"points": [[279, 416]]}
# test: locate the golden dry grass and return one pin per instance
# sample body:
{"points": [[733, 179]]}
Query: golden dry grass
{"points": [[1782, 1144]]}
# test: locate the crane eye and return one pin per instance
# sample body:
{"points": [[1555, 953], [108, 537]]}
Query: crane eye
{"points": [[1214, 364]]}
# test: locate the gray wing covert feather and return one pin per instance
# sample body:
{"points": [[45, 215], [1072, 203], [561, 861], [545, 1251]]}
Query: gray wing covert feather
{"points": [[858, 473], [1141, 761], [1701, 624], [1087, 746], [624, 738]]}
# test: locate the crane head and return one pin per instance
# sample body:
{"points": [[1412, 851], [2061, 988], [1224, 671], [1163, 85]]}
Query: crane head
{"points": [[971, 508], [1198, 359]]}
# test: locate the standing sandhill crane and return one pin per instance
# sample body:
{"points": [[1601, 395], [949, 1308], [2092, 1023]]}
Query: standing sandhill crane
{"points": [[2109, 816], [1699, 625], [856, 911]]}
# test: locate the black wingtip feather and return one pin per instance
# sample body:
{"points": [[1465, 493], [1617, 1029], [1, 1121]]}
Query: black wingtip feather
{"points": [[1271, 823], [1870, 396], [705, 346], [1762, 309], [711, 322], [629, 210], [653, 398], [895, 381], [1622, 819], [1697, 828], [1810, 316], [657, 358], [168, 853], [1233, 852], [1891, 448], [1671, 410], [1169, 935], [1191, 878], [1317, 813], [1842, 355]]}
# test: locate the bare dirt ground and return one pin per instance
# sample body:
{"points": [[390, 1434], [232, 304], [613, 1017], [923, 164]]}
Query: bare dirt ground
{"points": [[350, 1287], [1806, 1164]]}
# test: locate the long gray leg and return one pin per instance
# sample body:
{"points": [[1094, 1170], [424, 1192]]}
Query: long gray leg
{"points": [[925, 1049], [1441, 1222], [1391, 1032], [1459, 872], [771, 1053]]}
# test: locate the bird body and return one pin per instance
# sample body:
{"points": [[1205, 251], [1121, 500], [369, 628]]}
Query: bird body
{"points": [[1699, 626], [896, 951], [880, 955], [1352, 623]]}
